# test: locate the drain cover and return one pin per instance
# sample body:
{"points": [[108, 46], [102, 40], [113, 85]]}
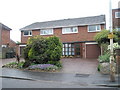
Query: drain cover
{"points": [[81, 75]]}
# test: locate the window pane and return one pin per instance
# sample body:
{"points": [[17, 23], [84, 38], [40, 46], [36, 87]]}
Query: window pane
{"points": [[118, 29], [98, 27], [63, 49], [66, 49], [30, 32], [46, 32], [92, 28], [66, 45], [75, 29], [63, 45], [69, 53], [117, 14], [26, 33], [66, 53], [63, 53], [69, 30], [72, 53], [69, 49], [72, 49], [69, 45]]}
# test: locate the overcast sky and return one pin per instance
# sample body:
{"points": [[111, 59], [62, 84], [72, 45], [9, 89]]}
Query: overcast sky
{"points": [[18, 13]]}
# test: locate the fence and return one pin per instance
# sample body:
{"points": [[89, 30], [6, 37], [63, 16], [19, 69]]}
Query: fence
{"points": [[8, 52]]}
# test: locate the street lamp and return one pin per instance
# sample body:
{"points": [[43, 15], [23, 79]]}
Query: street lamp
{"points": [[112, 67]]}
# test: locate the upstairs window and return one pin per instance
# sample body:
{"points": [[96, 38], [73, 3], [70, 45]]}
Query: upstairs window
{"points": [[46, 32], [117, 14], [69, 30], [94, 28], [27, 33]]}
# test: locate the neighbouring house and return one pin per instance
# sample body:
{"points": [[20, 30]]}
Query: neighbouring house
{"points": [[6, 43], [5, 35], [77, 34], [116, 18]]}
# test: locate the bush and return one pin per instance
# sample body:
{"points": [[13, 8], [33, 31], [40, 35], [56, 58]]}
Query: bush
{"points": [[54, 50], [104, 58], [40, 50], [57, 63], [102, 37]]}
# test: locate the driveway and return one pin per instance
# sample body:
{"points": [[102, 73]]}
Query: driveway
{"points": [[78, 65], [70, 65]]}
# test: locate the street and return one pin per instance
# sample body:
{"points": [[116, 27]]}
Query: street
{"points": [[13, 78]]}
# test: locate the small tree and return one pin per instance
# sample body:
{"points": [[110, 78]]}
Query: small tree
{"points": [[103, 41], [40, 50], [54, 51], [102, 37]]}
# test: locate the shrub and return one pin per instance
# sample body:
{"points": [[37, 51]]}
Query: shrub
{"points": [[102, 37], [57, 63], [54, 50], [104, 58], [39, 50]]}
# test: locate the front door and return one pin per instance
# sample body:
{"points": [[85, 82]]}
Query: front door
{"points": [[77, 50]]}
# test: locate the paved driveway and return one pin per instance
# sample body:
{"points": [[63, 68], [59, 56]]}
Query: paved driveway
{"points": [[70, 65], [78, 65]]}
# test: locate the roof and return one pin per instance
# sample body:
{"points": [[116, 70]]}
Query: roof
{"points": [[4, 27], [66, 23]]}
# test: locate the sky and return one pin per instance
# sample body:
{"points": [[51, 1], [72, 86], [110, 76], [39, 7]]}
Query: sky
{"points": [[17, 14]]}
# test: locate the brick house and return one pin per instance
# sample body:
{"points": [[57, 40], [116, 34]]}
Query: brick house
{"points": [[5, 35], [77, 34], [116, 18]]}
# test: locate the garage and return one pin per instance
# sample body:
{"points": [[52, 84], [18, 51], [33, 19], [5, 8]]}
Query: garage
{"points": [[92, 50]]}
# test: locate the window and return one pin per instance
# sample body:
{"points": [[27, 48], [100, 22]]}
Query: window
{"points": [[68, 49], [117, 14], [27, 33], [118, 28], [69, 30], [94, 28], [46, 32]]}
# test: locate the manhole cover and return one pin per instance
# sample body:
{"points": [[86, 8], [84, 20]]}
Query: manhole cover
{"points": [[81, 75]]}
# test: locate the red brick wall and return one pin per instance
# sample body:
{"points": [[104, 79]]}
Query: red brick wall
{"points": [[5, 37], [116, 21], [12, 44], [82, 35]]}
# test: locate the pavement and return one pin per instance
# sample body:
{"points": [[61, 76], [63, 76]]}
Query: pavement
{"points": [[72, 78], [81, 76]]}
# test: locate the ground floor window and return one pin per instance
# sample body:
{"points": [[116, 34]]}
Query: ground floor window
{"points": [[68, 49]]}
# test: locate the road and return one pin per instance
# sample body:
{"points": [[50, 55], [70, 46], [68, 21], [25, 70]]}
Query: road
{"points": [[12, 78], [17, 83]]}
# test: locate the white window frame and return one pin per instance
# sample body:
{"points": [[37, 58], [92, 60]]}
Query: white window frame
{"points": [[63, 30], [28, 33], [46, 30], [95, 29], [116, 13], [118, 28]]}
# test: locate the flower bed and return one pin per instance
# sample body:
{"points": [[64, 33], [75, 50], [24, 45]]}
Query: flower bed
{"points": [[45, 67]]}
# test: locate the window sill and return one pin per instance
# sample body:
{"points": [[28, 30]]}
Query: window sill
{"points": [[94, 31], [70, 33], [45, 34], [27, 35]]}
